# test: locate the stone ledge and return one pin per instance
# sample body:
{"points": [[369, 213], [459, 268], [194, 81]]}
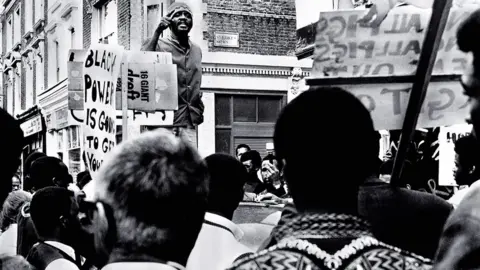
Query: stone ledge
{"points": [[253, 14]]}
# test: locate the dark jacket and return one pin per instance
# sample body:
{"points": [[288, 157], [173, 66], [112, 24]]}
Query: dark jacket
{"points": [[459, 245], [41, 255], [189, 77], [408, 219]]}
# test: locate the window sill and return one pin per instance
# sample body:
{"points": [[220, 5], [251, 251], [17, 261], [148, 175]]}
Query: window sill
{"points": [[17, 46], [40, 23]]}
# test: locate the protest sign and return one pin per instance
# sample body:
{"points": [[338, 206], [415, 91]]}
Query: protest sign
{"points": [[447, 139], [75, 79], [135, 118], [159, 90], [445, 103], [345, 49], [100, 71]]}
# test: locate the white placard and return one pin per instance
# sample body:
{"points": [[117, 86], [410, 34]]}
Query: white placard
{"points": [[229, 40], [447, 138], [100, 71]]}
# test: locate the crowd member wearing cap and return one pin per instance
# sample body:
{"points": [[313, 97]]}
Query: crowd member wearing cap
{"points": [[12, 142], [27, 165], [188, 58], [44, 172]]}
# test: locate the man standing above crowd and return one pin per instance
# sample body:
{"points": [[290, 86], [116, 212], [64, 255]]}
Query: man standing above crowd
{"points": [[188, 58]]}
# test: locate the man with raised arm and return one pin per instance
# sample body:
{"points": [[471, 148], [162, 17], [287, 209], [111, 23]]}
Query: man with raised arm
{"points": [[188, 58]]}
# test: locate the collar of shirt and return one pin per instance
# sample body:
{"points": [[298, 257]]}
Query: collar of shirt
{"points": [[221, 222], [67, 249], [180, 47], [143, 266]]}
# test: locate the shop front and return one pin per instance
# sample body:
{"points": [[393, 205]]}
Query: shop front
{"points": [[63, 132], [33, 127]]}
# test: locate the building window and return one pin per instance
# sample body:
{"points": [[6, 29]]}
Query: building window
{"points": [[57, 61], [72, 38], [9, 35], [38, 10], [155, 10], [249, 112], [28, 10], [17, 23], [107, 23]]}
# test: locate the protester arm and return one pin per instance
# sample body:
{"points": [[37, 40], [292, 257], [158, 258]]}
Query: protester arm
{"points": [[151, 44]]}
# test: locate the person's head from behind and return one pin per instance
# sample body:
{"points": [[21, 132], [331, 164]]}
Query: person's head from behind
{"points": [[12, 142], [27, 166], [241, 149], [11, 208], [181, 19], [252, 161], [14, 263], [344, 142], [466, 160], [83, 178], [270, 164], [227, 178], [153, 193], [54, 212], [471, 77], [47, 172]]}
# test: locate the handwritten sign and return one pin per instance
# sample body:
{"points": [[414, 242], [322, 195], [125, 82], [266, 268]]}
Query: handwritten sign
{"points": [[345, 49], [447, 138], [162, 87], [445, 104], [229, 40], [135, 118], [100, 72]]}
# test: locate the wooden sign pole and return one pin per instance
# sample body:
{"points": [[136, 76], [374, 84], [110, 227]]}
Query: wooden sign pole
{"points": [[124, 74], [438, 20]]}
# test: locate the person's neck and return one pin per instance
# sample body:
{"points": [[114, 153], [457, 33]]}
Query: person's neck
{"points": [[182, 39]]}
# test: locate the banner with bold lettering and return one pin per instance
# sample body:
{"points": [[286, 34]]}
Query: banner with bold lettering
{"points": [[100, 72], [151, 80], [445, 104], [343, 48], [447, 138]]}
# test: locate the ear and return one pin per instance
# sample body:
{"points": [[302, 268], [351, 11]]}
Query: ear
{"points": [[64, 222]]}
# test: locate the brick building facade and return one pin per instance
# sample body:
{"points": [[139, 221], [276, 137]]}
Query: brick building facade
{"points": [[248, 56]]}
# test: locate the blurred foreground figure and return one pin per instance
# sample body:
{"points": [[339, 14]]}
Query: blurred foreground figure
{"points": [[150, 202], [11, 143], [460, 243], [218, 242], [14, 263], [8, 221], [327, 232]]}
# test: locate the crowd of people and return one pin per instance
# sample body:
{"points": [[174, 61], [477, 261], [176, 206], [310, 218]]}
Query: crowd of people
{"points": [[156, 204]]}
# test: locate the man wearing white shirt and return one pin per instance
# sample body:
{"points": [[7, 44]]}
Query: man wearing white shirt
{"points": [[218, 243], [54, 212]]}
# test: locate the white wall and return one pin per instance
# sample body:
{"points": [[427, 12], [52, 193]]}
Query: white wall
{"points": [[206, 131], [308, 11]]}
